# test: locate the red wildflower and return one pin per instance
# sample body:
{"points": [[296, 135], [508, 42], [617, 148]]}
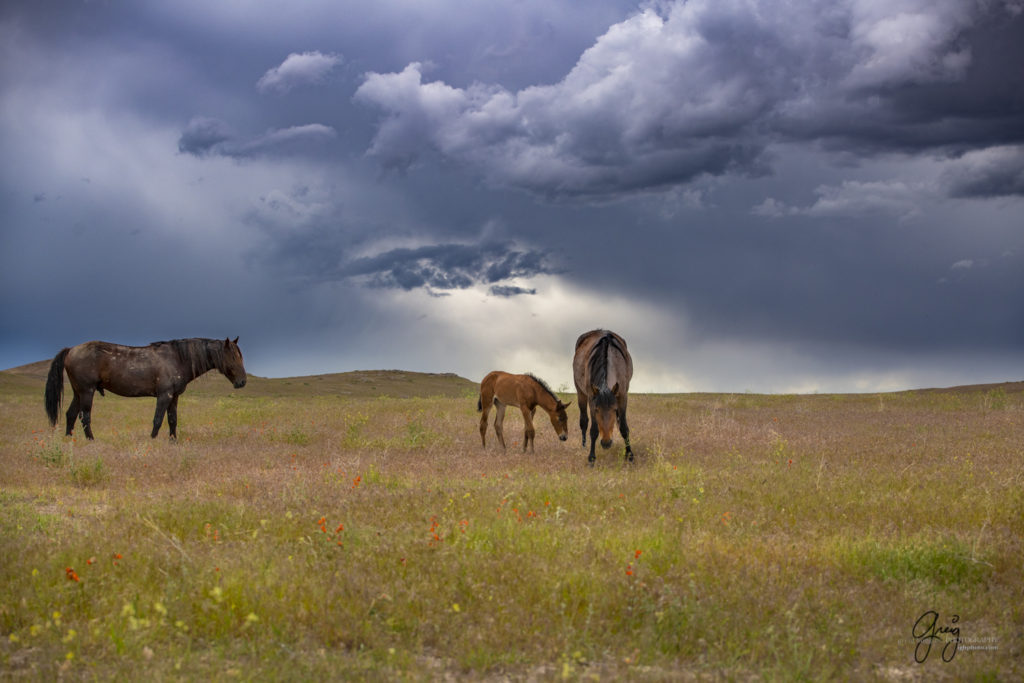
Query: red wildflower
{"points": [[71, 574]]}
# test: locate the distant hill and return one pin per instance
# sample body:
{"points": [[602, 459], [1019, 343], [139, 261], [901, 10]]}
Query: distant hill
{"points": [[369, 383], [357, 384]]}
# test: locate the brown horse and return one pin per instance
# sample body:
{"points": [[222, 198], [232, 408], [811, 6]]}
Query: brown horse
{"points": [[162, 369], [501, 389], [602, 368]]}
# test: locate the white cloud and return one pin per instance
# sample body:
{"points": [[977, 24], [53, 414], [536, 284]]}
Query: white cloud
{"points": [[298, 69], [852, 199], [899, 42], [992, 172]]}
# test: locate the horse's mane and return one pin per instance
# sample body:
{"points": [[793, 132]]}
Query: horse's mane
{"points": [[200, 354], [597, 365], [544, 385]]}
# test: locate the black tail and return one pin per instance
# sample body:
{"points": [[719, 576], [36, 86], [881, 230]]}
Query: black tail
{"points": [[479, 404], [55, 387]]}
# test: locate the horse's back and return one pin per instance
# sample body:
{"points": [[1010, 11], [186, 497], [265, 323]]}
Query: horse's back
{"points": [[124, 370], [585, 345]]}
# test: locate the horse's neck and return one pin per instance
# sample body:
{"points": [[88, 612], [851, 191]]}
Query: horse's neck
{"points": [[201, 361], [545, 400]]}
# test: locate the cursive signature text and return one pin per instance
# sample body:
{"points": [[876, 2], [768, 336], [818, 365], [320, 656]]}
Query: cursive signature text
{"points": [[927, 631]]}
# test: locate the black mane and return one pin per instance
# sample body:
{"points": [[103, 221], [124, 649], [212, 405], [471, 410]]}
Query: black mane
{"points": [[199, 354], [597, 365], [545, 386]]}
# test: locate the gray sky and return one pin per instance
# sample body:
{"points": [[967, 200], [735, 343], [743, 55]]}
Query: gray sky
{"points": [[766, 196]]}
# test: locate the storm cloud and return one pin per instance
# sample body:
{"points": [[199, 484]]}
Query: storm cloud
{"points": [[703, 88]]}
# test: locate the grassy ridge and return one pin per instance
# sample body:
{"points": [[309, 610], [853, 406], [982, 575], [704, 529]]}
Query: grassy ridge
{"points": [[302, 533]]}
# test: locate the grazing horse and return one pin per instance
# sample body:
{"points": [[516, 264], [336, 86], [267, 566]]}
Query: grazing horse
{"points": [[161, 369], [502, 389], [602, 368]]}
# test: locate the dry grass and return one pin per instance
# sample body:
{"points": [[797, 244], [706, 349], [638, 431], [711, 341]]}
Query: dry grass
{"points": [[313, 529]]}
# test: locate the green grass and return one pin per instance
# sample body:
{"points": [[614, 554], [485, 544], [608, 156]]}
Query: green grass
{"points": [[331, 534]]}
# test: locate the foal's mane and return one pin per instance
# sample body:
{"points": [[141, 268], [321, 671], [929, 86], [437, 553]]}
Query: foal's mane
{"points": [[544, 385], [199, 354]]}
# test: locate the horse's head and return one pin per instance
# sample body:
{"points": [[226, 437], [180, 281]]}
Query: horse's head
{"points": [[233, 367], [560, 420], [605, 409]]}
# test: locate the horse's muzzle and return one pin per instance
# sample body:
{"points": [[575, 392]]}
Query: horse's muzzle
{"points": [[606, 444], [239, 384], [563, 437]]}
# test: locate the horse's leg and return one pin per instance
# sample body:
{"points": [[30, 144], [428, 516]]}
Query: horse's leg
{"points": [[85, 401], [162, 402], [581, 401], [528, 431], [624, 430], [499, 421], [73, 411], [485, 409], [172, 417], [593, 439]]}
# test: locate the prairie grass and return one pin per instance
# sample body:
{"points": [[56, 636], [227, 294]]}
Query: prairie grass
{"points": [[297, 533]]}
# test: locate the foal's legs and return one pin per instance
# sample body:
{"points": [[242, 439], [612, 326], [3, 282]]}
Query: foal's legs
{"points": [[172, 417], [162, 402], [72, 415], [485, 409], [499, 421], [529, 431]]}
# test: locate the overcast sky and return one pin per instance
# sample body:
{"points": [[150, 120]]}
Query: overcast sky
{"points": [[761, 195]]}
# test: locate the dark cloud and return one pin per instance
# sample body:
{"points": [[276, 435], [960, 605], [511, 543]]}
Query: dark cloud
{"points": [[203, 136], [509, 291], [207, 136], [703, 89]]}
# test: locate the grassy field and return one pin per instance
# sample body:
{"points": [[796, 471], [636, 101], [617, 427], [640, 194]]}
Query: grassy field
{"points": [[351, 527]]}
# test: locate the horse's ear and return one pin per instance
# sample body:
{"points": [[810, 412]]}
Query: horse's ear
{"points": [[566, 405], [235, 342], [594, 391], [615, 389]]}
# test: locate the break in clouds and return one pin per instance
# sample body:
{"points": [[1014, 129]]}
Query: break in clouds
{"points": [[443, 267]]}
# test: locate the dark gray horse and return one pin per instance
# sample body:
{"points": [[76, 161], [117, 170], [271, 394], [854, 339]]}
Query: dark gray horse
{"points": [[602, 369], [162, 369]]}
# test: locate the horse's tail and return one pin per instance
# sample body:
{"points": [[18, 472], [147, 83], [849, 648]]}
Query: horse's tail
{"points": [[55, 386], [480, 404]]}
